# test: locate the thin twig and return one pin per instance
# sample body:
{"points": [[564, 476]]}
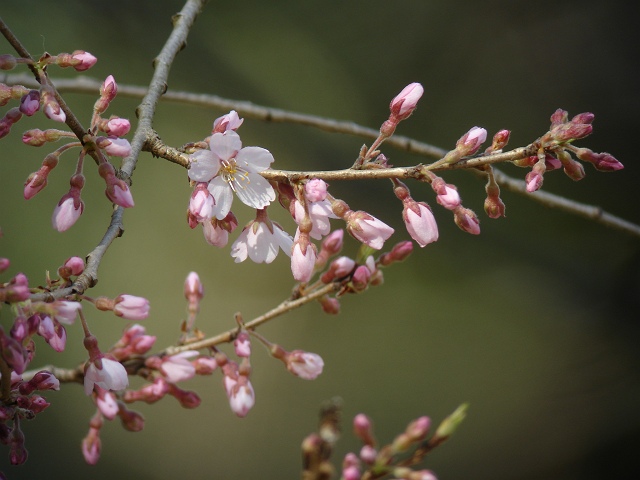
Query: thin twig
{"points": [[284, 307]]}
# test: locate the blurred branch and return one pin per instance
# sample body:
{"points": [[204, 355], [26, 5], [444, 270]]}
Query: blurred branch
{"points": [[153, 144], [182, 23]]}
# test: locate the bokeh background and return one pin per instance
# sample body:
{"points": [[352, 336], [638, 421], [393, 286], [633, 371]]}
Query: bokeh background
{"points": [[534, 322]]}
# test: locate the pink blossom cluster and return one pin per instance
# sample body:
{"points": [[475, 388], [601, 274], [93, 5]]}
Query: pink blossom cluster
{"points": [[555, 149], [225, 168], [372, 457], [70, 206], [102, 374]]}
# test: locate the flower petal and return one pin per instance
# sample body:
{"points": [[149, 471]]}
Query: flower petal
{"points": [[204, 166], [223, 195], [256, 193], [225, 145], [254, 159]]}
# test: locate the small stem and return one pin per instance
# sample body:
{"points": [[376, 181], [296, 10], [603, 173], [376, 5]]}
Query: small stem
{"points": [[229, 335]]}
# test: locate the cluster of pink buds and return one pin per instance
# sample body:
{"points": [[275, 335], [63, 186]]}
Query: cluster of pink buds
{"points": [[70, 206], [103, 373], [398, 458], [20, 399], [555, 149], [32, 100]]}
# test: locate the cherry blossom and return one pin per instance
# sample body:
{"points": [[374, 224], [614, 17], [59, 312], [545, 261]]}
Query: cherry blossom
{"points": [[260, 241], [111, 375], [229, 168]]}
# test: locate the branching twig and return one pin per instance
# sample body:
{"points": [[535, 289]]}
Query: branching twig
{"points": [[250, 110]]}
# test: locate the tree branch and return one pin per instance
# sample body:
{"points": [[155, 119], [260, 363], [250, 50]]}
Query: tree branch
{"points": [[154, 145]]}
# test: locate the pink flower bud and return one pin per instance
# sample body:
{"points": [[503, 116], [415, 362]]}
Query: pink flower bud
{"points": [[450, 198], [131, 307], [315, 190], [534, 181], [241, 396], [178, 367], [360, 278], [7, 62], [467, 220], [367, 229], [500, 141], [13, 353], [205, 365], [559, 117], [106, 403], [604, 162], [193, 289], [363, 429], [471, 141], [67, 212], [52, 109], [85, 60], [53, 333], [30, 103], [73, 266], [118, 192], [332, 243], [303, 258], [91, 446], [403, 105], [131, 421], [342, 266], [305, 365], [242, 345], [66, 311], [109, 88], [214, 234], [113, 146], [399, 252], [117, 127], [420, 222], [330, 305], [229, 121], [201, 203], [186, 398]]}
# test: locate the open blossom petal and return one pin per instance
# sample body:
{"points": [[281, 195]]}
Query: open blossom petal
{"points": [[225, 145], [112, 376], [204, 165], [254, 159], [257, 192], [178, 367], [260, 244]]}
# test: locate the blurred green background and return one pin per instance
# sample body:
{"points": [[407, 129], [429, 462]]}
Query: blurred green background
{"points": [[534, 322]]}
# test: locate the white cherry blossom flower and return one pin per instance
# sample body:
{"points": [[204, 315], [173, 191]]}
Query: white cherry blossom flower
{"points": [[260, 241], [229, 168], [112, 376]]}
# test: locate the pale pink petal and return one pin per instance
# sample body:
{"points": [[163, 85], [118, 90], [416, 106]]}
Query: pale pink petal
{"points": [[223, 195], [256, 193], [225, 145], [254, 159], [204, 165]]}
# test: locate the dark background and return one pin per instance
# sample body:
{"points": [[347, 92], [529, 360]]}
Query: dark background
{"points": [[534, 322]]}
